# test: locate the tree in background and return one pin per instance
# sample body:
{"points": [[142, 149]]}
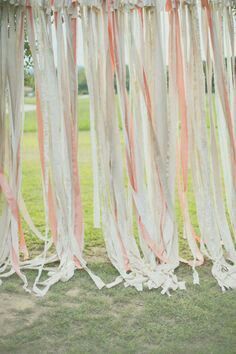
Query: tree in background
{"points": [[82, 82], [28, 65]]}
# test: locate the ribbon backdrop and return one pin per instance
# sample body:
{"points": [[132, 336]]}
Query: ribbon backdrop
{"points": [[177, 134]]}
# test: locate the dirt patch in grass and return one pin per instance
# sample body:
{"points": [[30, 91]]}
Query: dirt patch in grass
{"points": [[96, 255], [15, 307]]}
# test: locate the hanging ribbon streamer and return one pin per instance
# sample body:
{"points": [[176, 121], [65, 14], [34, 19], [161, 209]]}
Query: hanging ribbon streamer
{"points": [[12, 239], [177, 115]]}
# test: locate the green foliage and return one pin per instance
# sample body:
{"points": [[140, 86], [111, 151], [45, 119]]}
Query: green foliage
{"points": [[28, 65], [29, 80], [28, 60], [82, 82], [127, 81]]}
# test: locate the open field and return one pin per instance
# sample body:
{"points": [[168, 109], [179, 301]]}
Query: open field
{"points": [[83, 113], [75, 317]]}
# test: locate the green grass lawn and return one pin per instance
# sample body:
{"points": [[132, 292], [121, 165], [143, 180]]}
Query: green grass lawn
{"points": [[83, 112], [75, 317]]}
